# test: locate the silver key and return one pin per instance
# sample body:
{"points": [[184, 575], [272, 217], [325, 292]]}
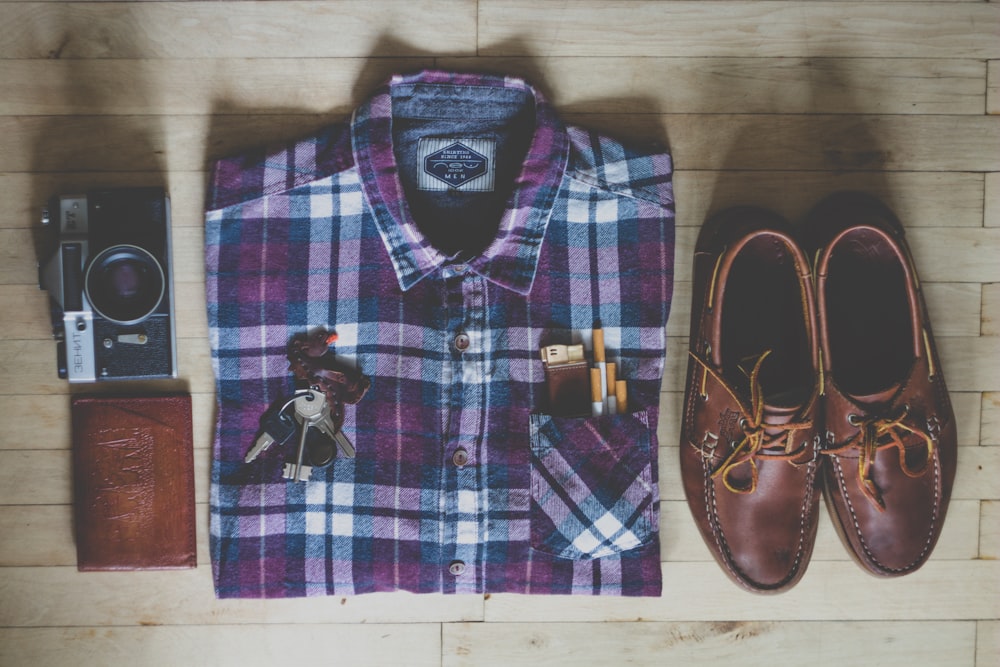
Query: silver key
{"points": [[278, 427], [326, 425], [344, 444], [309, 409], [324, 422], [259, 446]]}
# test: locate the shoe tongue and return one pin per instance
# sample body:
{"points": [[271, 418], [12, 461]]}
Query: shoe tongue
{"points": [[782, 408], [779, 414], [885, 396]]}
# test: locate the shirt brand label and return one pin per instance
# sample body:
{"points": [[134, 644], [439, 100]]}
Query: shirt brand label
{"points": [[456, 164]]}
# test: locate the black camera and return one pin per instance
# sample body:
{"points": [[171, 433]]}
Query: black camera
{"points": [[110, 285]]}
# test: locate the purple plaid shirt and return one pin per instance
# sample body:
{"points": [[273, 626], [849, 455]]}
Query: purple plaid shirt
{"points": [[451, 229]]}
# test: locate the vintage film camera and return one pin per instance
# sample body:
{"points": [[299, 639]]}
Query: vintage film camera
{"points": [[110, 285]]}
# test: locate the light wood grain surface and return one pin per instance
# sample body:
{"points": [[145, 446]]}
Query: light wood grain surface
{"points": [[772, 103]]}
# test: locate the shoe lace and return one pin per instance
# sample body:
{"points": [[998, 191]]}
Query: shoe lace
{"points": [[760, 437], [877, 433]]}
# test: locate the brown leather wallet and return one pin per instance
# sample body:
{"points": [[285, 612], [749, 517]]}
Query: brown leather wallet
{"points": [[134, 483]]}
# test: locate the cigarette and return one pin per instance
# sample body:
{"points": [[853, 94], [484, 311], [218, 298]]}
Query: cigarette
{"points": [[621, 396], [612, 399], [599, 362], [596, 400]]}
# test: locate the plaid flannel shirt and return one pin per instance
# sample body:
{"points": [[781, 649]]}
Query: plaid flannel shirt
{"points": [[462, 483]]}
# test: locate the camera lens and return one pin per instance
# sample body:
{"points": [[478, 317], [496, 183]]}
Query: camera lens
{"points": [[125, 284]]}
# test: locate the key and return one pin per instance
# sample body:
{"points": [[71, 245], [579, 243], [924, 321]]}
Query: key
{"points": [[344, 444], [327, 427], [278, 428], [309, 409]]}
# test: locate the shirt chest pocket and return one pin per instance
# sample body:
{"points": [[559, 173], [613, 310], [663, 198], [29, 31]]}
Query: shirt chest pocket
{"points": [[593, 492]]}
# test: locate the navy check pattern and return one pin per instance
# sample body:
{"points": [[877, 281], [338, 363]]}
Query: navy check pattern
{"points": [[319, 233]]}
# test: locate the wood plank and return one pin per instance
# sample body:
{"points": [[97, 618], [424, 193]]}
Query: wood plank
{"points": [[740, 643], [248, 85], [991, 309], [989, 530], [990, 434], [991, 212], [43, 535], [993, 87], [987, 643], [739, 29], [295, 29], [26, 313], [919, 199], [747, 85], [813, 142], [36, 597], [584, 85], [835, 591], [970, 364], [698, 141], [29, 368], [968, 415], [970, 249], [244, 645], [141, 143], [954, 308]]}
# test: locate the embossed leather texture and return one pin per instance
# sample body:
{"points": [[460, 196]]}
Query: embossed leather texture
{"points": [[133, 483]]}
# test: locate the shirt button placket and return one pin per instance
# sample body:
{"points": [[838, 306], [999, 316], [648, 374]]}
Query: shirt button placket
{"points": [[466, 403]]}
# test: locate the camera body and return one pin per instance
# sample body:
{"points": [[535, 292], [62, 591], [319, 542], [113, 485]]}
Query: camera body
{"points": [[110, 285]]}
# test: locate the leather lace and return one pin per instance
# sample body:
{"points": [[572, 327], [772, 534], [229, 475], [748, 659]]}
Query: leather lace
{"points": [[760, 438], [877, 433]]}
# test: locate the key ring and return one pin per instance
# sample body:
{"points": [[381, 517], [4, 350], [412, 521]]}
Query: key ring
{"points": [[299, 393]]}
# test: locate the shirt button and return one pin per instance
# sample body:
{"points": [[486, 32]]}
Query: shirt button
{"points": [[460, 457], [457, 568], [462, 342]]}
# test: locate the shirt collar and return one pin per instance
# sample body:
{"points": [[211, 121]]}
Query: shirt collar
{"points": [[511, 258]]}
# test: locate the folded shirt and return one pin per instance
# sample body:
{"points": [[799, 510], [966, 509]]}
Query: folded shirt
{"points": [[448, 232]]}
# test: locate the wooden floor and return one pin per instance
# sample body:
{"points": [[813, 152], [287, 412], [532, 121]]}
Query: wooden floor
{"points": [[772, 103]]}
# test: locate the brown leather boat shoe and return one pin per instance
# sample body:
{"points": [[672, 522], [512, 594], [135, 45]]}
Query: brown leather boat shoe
{"points": [[748, 442], [890, 430]]}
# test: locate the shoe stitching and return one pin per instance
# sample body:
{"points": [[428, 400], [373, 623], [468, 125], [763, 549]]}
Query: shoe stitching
{"points": [[711, 509], [857, 527]]}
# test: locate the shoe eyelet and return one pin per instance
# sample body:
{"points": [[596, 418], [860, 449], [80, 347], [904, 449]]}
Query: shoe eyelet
{"points": [[853, 419]]}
